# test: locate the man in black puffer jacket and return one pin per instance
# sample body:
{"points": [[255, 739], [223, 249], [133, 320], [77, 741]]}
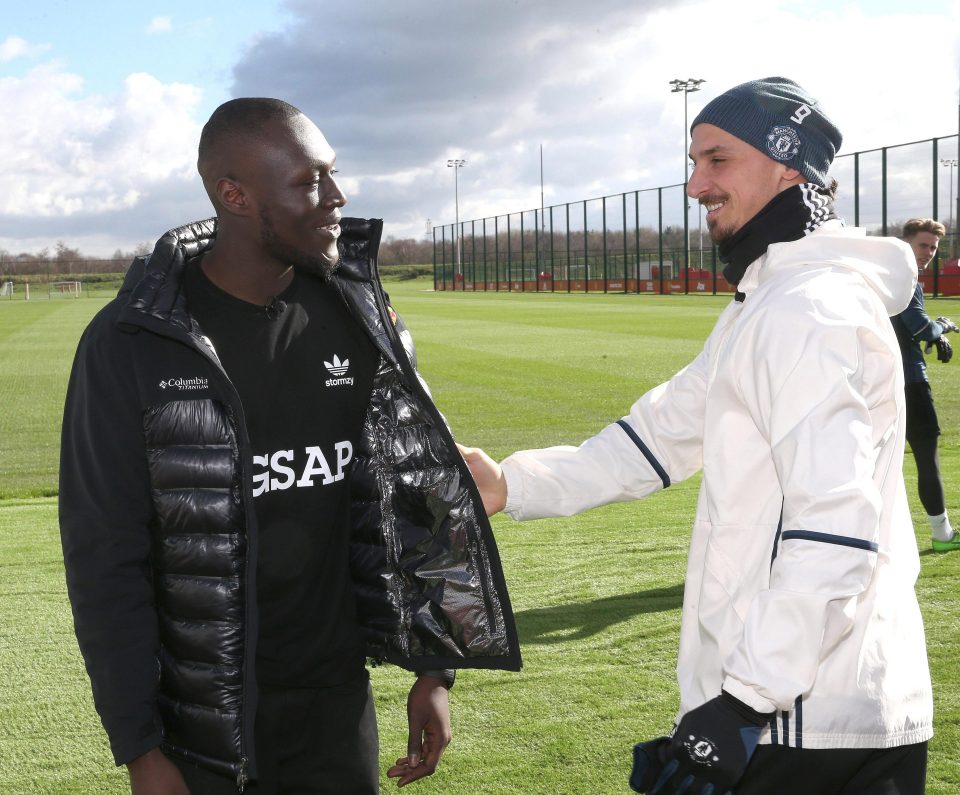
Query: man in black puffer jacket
{"points": [[257, 493]]}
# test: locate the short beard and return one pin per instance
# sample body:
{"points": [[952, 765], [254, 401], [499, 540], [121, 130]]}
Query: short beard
{"points": [[720, 234], [301, 260]]}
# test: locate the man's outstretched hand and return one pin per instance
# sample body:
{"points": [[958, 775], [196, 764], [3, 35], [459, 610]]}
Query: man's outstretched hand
{"points": [[488, 476]]}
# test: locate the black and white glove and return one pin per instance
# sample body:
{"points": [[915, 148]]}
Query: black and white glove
{"points": [[944, 349], [948, 324], [706, 755]]}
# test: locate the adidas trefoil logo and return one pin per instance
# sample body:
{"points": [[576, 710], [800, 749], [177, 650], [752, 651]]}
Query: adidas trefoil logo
{"points": [[338, 368]]}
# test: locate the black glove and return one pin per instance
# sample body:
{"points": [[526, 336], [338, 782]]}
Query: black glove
{"points": [[706, 755], [647, 766], [944, 349], [948, 324]]}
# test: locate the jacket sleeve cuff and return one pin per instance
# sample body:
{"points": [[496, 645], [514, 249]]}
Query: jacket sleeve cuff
{"points": [[447, 675], [748, 696], [513, 507], [126, 751]]}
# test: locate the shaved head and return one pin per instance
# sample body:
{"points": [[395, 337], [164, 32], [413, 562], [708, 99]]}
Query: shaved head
{"points": [[234, 128], [269, 173]]}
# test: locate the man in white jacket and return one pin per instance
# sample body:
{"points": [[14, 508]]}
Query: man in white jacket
{"points": [[802, 663]]}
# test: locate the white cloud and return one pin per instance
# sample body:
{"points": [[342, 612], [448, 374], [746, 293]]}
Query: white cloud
{"points": [[16, 47], [863, 66], [487, 82], [64, 153], [160, 25], [493, 86]]}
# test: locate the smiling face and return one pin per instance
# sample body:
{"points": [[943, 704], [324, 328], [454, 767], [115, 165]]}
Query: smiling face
{"points": [[924, 245], [732, 179], [289, 175]]}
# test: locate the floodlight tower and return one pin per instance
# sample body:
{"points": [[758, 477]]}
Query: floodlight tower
{"points": [[687, 86], [456, 164], [543, 228]]}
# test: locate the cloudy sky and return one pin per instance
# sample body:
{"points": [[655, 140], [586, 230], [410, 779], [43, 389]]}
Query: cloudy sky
{"points": [[101, 103]]}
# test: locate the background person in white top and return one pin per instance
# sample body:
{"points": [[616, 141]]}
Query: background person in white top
{"points": [[802, 663]]}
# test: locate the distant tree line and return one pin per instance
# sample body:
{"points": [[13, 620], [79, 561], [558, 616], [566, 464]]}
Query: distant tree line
{"points": [[65, 260], [68, 260]]}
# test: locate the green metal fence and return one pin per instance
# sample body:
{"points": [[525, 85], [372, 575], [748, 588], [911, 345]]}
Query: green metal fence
{"points": [[634, 241]]}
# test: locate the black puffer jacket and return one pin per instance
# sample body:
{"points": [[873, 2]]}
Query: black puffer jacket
{"points": [[160, 537]]}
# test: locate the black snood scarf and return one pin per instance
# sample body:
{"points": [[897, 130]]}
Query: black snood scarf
{"points": [[790, 215]]}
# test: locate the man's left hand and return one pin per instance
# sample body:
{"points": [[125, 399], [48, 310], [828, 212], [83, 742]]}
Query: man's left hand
{"points": [[706, 755], [428, 717]]}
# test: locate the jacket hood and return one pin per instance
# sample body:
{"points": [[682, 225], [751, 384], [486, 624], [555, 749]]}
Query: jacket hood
{"points": [[885, 263], [155, 283]]}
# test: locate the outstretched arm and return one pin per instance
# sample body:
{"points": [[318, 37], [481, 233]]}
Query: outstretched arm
{"points": [[658, 442]]}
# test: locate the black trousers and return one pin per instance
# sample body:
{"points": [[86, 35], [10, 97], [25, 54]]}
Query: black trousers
{"points": [[837, 771], [923, 429], [309, 741]]}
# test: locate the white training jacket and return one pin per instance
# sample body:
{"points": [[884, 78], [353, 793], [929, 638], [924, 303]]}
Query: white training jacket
{"points": [[799, 594]]}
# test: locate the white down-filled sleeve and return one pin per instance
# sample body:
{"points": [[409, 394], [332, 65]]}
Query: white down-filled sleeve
{"points": [[823, 394], [659, 442]]}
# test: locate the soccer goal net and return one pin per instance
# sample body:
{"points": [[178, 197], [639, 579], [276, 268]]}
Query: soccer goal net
{"points": [[64, 289]]}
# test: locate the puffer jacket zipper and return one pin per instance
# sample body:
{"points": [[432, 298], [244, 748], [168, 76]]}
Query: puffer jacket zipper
{"points": [[400, 356]]}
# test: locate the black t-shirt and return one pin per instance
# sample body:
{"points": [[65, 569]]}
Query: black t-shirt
{"points": [[304, 375]]}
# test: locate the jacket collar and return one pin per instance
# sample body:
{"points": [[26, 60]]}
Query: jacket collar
{"points": [[885, 264], [756, 272], [155, 283]]}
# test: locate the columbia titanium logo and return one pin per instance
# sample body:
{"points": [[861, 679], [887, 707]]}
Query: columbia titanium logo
{"points": [[184, 384], [338, 368]]}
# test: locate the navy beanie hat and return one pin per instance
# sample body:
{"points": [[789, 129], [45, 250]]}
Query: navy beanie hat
{"points": [[779, 118]]}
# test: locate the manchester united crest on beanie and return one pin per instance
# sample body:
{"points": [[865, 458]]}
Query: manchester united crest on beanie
{"points": [[779, 118]]}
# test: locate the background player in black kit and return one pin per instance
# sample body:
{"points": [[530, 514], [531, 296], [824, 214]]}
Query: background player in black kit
{"points": [[914, 326]]}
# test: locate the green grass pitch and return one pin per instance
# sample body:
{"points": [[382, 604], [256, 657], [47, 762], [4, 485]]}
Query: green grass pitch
{"points": [[597, 597]]}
